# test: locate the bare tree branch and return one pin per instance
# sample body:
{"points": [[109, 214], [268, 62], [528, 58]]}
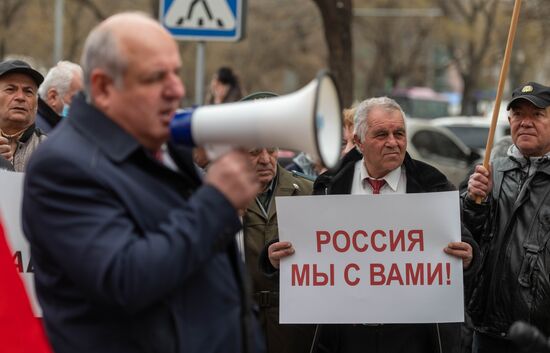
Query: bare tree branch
{"points": [[92, 6]]}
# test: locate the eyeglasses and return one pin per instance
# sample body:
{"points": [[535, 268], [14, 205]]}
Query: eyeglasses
{"points": [[257, 151]]}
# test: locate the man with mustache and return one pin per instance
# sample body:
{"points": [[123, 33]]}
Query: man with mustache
{"points": [[380, 165], [512, 225], [19, 136]]}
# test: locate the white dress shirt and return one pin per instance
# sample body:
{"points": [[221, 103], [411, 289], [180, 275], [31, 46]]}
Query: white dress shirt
{"points": [[396, 181]]}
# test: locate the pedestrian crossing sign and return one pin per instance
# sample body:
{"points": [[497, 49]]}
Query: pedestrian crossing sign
{"points": [[203, 20]]}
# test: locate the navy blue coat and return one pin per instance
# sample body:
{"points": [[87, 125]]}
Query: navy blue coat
{"points": [[129, 255]]}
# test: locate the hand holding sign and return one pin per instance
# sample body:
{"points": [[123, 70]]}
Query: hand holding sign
{"points": [[5, 149], [461, 250], [279, 250]]}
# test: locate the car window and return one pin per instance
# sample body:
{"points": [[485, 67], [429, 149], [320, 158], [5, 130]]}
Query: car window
{"points": [[428, 142], [472, 136]]}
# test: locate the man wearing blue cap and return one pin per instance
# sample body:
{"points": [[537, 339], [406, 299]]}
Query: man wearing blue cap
{"points": [[512, 225], [18, 103]]}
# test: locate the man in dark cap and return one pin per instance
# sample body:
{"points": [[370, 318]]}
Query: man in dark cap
{"points": [[18, 104], [512, 225], [260, 227]]}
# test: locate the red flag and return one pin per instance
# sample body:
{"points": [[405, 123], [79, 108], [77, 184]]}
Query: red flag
{"points": [[20, 330]]}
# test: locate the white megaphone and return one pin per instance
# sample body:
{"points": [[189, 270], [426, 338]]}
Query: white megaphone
{"points": [[308, 120]]}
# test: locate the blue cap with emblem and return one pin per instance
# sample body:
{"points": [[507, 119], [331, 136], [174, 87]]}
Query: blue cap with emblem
{"points": [[533, 92]]}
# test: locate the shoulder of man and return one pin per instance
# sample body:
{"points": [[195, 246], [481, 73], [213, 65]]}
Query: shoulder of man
{"points": [[431, 178], [39, 132], [302, 183]]}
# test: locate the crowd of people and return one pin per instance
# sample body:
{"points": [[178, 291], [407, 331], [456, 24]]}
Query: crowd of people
{"points": [[142, 245]]}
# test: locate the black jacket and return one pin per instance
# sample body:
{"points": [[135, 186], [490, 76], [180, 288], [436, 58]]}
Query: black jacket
{"points": [[394, 338], [513, 230], [46, 117], [421, 177]]}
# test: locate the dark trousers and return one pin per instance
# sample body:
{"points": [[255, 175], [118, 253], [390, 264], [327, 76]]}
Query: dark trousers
{"points": [[483, 343]]}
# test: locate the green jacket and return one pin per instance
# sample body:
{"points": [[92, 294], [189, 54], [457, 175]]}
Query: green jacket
{"points": [[259, 229]]}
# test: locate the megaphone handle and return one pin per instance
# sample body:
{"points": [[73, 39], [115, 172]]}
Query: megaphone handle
{"points": [[214, 152]]}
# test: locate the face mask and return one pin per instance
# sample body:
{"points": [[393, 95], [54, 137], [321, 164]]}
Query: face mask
{"points": [[65, 111]]}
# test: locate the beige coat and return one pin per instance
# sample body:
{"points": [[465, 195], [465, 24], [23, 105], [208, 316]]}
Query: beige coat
{"points": [[26, 145], [259, 229]]}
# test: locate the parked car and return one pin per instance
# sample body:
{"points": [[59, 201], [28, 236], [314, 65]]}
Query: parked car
{"points": [[421, 102], [440, 148], [473, 130]]}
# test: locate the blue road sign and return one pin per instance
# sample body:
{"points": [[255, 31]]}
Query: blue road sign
{"points": [[208, 20]]}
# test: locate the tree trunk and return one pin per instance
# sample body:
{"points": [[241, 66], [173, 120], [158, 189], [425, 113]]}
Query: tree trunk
{"points": [[155, 8], [469, 101], [337, 17]]}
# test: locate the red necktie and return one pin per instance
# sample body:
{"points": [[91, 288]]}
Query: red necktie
{"points": [[376, 184], [158, 155]]}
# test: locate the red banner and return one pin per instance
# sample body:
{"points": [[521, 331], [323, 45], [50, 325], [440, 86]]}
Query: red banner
{"points": [[20, 331]]}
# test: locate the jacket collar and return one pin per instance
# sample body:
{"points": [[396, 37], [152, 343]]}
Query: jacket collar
{"points": [[420, 176], [29, 132], [506, 164], [46, 112], [284, 186], [101, 130], [285, 183], [515, 160]]}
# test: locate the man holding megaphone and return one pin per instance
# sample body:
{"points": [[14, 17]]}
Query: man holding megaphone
{"points": [[132, 251]]}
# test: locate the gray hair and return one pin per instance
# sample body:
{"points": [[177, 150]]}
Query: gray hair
{"points": [[365, 107], [60, 77], [101, 50]]}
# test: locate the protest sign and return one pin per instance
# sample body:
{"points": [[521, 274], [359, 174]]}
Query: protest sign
{"points": [[370, 259], [11, 189]]}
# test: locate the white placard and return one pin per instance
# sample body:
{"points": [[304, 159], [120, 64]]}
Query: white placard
{"points": [[370, 259], [11, 189]]}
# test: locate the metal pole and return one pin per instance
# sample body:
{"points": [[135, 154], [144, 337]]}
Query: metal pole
{"points": [[58, 32], [199, 73]]}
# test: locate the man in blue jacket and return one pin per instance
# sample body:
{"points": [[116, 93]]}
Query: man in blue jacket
{"points": [[132, 251]]}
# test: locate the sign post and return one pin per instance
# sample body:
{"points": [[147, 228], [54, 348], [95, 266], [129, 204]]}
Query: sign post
{"points": [[203, 20]]}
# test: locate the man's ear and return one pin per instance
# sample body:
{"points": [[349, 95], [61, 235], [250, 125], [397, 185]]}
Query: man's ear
{"points": [[101, 86], [357, 141], [51, 98]]}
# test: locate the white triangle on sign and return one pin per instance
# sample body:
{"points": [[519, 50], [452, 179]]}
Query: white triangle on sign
{"points": [[200, 14]]}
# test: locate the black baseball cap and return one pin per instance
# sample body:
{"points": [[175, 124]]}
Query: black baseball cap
{"points": [[19, 66], [534, 92]]}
